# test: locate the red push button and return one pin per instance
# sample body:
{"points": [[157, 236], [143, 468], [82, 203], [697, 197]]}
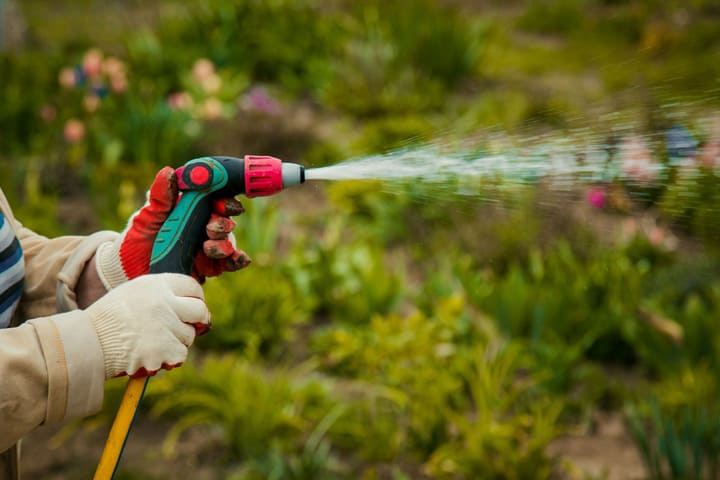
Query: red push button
{"points": [[199, 175]]}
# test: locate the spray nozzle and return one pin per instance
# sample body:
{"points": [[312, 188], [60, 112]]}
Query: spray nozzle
{"points": [[254, 175], [268, 175]]}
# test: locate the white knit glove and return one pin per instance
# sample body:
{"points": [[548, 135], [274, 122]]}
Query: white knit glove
{"points": [[148, 323]]}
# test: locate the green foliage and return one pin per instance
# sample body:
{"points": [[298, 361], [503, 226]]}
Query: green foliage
{"points": [[677, 430], [257, 230], [388, 133], [508, 430], [366, 202], [455, 401], [456, 339], [256, 410], [347, 282], [594, 304], [23, 88], [560, 296], [255, 309], [690, 294], [407, 212], [286, 42], [313, 461], [677, 445], [258, 308], [391, 65], [553, 16], [416, 355], [693, 201], [497, 108]]}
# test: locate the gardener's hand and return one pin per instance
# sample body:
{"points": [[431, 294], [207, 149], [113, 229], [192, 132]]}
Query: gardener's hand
{"points": [[129, 256], [148, 323]]}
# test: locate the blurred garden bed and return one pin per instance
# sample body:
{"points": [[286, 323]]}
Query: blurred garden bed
{"points": [[400, 330]]}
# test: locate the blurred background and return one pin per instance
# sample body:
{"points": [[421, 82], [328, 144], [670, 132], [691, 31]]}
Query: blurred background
{"points": [[399, 330]]}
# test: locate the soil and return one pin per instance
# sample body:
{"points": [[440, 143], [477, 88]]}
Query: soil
{"points": [[608, 452], [605, 453], [196, 456]]}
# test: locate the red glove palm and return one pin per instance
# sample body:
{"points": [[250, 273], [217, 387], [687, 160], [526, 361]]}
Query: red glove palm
{"points": [[129, 256]]}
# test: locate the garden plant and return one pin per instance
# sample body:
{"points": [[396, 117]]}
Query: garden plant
{"points": [[402, 328]]}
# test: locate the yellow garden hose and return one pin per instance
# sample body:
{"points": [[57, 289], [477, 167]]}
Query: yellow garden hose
{"points": [[120, 429]]}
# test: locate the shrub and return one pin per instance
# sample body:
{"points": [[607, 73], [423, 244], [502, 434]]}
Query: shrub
{"points": [[348, 282], [257, 411], [416, 355], [285, 42], [508, 430], [548, 16], [677, 428], [450, 390], [390, 65], [258, 229], [692, 201], [256, 309]]}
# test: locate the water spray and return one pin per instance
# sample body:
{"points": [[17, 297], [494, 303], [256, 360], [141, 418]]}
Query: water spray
{"points": [[561, 162]]}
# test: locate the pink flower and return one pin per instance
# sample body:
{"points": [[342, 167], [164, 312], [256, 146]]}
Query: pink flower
{"points": [[92, 62], [180, 101], [67, 78], [630, 227], [258, 99], [597, 197], [74, 131], [710, 154], [656, 235], [202, 69], [118, 83]]}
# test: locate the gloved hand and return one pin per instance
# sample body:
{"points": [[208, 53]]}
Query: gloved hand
{"points": [[129, 256], [148, 323]]}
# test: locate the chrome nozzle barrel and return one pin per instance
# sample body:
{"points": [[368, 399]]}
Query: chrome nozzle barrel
{"points": [[292, 174]]}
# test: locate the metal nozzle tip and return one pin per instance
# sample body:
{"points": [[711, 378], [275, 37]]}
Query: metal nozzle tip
{"points": [[292, 174]]}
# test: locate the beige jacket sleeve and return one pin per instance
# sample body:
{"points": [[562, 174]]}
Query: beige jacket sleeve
{"points": [[51, 367], [52, 269]]}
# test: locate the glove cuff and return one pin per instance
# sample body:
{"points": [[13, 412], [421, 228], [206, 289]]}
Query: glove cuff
{"points": [[104, 319], [108, 265]]}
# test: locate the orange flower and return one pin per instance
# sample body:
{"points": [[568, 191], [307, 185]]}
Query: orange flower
{"points": [[91, 103], [118, 83], [203, 69], [112, 66], [211, 109], [180, 101], [67, 77], [74, 130]]}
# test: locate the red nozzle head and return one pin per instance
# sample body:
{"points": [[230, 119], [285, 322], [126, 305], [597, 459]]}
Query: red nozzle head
{"points": [[263, 175]]}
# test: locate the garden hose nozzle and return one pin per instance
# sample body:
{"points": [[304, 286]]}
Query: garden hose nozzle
{"points": [[180, 238], [202, 179]]}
